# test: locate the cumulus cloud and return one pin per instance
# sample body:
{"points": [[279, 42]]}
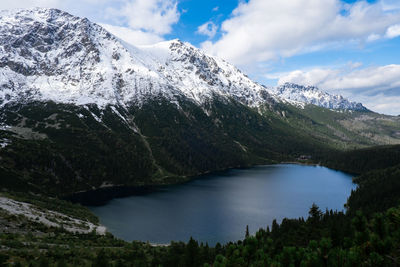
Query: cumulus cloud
{"points": [[378, 78], [393, 31], [380, 103], [208, 28], [261, 30], [373, 37], [375, 86], [156, 16], [142, 22]]}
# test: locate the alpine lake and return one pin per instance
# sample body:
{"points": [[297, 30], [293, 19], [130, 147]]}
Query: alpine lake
{"points": [[218, 207]]}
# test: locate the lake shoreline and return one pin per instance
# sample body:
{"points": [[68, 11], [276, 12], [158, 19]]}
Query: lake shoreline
{"points": [[217, 207], [101, 196]]}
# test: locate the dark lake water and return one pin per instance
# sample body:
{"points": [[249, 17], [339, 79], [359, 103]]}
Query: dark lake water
{"points": [[217, 208]]}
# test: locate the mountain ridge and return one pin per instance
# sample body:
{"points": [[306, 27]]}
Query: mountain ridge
{"points": [[53, 55], [296, 93]]}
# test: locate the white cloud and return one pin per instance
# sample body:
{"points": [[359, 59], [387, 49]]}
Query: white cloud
{"points": [[373, 86], [262, 30], [135, 37], [371, 79], [393, 31], [156, 16], [141, 22], [215, 9], [390, 5], [373, 37], [382, 103], [208, 28]]}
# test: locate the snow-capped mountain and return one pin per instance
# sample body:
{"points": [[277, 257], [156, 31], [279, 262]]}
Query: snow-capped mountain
{"points": [[295, 93], [199, 75], [48, 54]]}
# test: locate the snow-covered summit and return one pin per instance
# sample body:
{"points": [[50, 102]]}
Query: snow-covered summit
{"points": [[199, 75], [296, 93], [48, 54]]}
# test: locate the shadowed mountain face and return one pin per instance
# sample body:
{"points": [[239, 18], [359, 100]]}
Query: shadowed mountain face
{"points": [[82, 110]]}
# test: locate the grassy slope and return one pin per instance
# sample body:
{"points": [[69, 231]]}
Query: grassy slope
{"points": [[344, 130]]}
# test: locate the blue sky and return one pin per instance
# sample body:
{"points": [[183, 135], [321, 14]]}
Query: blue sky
{"points": [[347, 47], [196, 13]]}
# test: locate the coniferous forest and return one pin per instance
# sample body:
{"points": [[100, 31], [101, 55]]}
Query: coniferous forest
{"points": [[366, 234]]}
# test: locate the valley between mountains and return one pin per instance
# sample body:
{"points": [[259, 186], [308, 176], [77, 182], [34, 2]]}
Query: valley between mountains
{"points": [[82, 111]]}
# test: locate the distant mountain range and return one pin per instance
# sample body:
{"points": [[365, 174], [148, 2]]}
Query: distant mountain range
{"points": [[81, 110], [47, 54], [296, 94]]}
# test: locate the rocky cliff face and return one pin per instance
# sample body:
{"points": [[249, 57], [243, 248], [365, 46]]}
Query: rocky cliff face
{"points": [[200, 76], [47, 54]]}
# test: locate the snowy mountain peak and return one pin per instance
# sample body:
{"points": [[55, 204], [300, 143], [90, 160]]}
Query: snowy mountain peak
{"points": [[48, 54], [201, 76], [312, 95]]}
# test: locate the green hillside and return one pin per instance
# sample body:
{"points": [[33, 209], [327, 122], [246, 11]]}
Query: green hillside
{"points": [[61, 149], [368, 234]]}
